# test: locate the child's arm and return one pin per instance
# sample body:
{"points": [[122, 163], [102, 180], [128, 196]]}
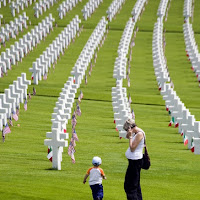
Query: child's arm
{"points": [[85, 178], [104, 177]]}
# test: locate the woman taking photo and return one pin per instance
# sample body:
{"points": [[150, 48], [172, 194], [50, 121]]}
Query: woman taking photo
{"points": [[134, 155]]}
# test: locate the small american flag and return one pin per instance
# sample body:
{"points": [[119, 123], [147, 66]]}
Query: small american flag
{"points": [[2, 72], [17, 110], [15, 116], [129, 82], [71, 152], [133, 114], [74, 120], [74, 135], [78, 110], [45, 76], [129, 99], [86, 79], [81, 94], [25, 105], [6, 130], [79, 99], [34, 91], [10, 121], [29, 95]]}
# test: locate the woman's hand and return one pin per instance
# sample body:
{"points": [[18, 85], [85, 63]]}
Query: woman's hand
{"points": [[129, 133]]}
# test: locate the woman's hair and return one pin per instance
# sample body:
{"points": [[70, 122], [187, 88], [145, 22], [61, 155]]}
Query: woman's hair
{"points": [[129, 123]]}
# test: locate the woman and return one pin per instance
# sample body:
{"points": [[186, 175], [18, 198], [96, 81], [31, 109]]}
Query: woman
{"points": [[134, 155]]}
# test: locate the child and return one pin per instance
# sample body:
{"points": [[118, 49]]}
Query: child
{"points": [[96, 174]]}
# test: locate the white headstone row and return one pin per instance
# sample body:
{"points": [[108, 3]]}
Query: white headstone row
{"points": [[114, 7], [187, 10], [18, 5], [123, 48], [162, 9], [121, 107], [66, 6], [159, 60], [192, 48], [180, 115], [125, 40], [3, 3], [42, 6], [11, 30], [88, 51], [55, 49], [139, 5], [12, 97], [64, 105], [90, 7], [25, 44], [1, 17]]}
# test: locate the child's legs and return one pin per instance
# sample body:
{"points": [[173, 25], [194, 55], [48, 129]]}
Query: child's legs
{"points": [[97, 191]]}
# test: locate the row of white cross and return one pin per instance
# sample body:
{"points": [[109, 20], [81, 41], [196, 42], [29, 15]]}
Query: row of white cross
{"points": [[25, 45], [162, 9], [42, 6], [3, 3], [11, 30], [66, 6], [191, 46], [62, 111], [19, 5], [121, 106], [1, 17], [52, 53], [12, 97], [90, 7], [137, 9], [187, 10], [114, 7], [180, 115], [88, 51]]}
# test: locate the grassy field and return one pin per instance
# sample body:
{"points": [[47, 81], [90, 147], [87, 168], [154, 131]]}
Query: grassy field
{"points": [[25, 172]]}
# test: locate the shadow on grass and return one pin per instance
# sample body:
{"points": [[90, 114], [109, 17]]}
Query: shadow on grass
{"points": [[174, 142], [51, 169]]}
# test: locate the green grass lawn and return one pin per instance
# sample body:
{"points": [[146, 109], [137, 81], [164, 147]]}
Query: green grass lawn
{"points": [[26, 173]]}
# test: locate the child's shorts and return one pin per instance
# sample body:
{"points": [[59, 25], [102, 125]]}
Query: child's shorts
{"points": [[97, 191]]}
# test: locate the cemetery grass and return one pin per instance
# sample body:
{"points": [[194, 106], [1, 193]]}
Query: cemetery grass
{"points": [[25, 172]]}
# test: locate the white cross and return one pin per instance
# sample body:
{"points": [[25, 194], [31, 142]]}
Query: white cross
{"points": [[56, 142]]}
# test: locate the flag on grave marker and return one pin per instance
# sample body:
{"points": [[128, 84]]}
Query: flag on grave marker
{"points": [[73, 120], [133, 114], [78, 110], [17, 110], [192, 146], [185, 140], [129, 99], [45, 76], [15, 116], [74, 135], [71, 152], [50, 153], [10, 121], [25, 105], [29, 95], [34, 91], [6, 130]]}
